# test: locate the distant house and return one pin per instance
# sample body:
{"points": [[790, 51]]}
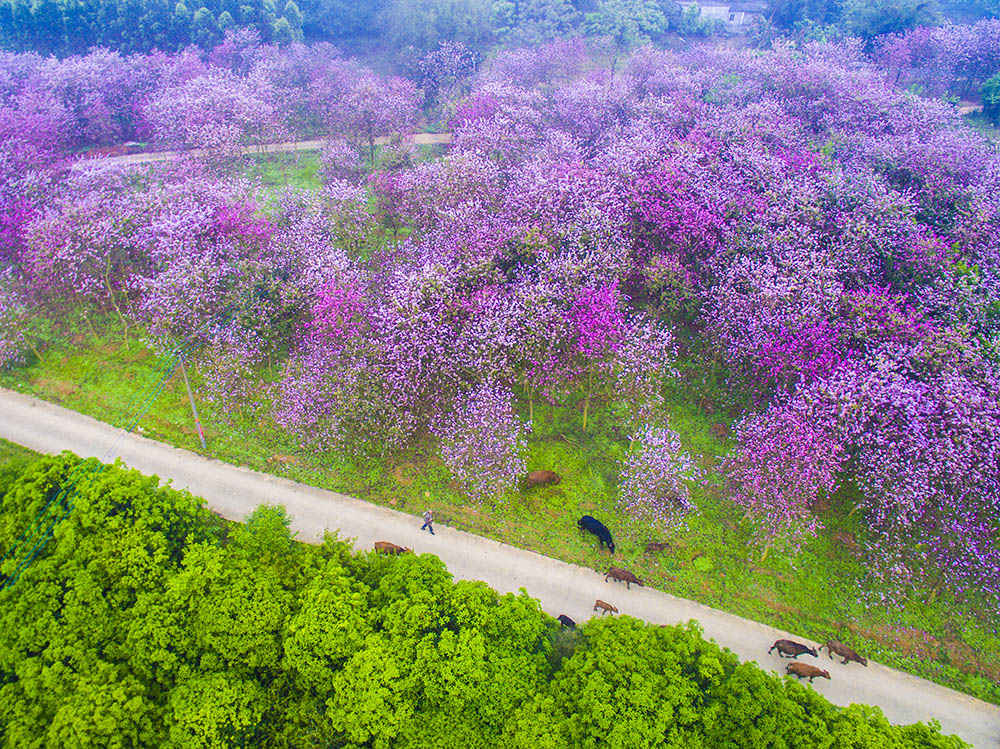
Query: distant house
{"points": [[736, 17]]}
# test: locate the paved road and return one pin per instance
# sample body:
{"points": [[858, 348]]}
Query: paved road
{"points": [[562, 588], [301, 145]]}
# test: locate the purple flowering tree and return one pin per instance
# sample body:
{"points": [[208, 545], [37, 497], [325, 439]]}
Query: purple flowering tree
{"points": [[482, 441], [599, 326], [784, 462], [376, 106], [219, 112], [656, 477], [12, 313]]}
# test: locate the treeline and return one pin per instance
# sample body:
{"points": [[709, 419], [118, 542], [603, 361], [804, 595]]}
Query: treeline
{"points": [[65, 27], [147, 621]]}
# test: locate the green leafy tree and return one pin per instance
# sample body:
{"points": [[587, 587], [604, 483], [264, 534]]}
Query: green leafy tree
{"points": [[626, 24], [788, 13], [691, 23], [204, 29], [870, 18], [339, 19], [293, 15], [47, 24], [990, 93], [331, 625], [530, 22], [424, 24], [180, 24], [622, 689], [282, 33], [216, 711]]}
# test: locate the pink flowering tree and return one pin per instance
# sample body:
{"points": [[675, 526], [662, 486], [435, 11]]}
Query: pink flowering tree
{"points": [[12, 314], [206, 266], [442, 71], [598, 323], [375, 106], [341, 160], [81, 252], [640, 368], [327, 388]]}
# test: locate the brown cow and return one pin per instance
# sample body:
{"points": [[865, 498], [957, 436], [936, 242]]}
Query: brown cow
{"points": [[619, 574], [599, 604], [542, 478], [805, 671], [844, 652], [792, 649], [388, 547]]}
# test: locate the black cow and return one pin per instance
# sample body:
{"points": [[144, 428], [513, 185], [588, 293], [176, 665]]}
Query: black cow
{"points": [[595, 526], [566, 621]]}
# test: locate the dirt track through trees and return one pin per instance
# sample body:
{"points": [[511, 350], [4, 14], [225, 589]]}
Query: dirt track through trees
{"points": [[289, 147]]}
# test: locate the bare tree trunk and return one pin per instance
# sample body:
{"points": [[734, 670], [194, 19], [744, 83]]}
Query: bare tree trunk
{"points": [[194, 409], [33, 348], [89, 324], [114, 300], [767, 548]]}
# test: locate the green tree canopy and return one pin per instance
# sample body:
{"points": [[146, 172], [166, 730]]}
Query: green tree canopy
{"points": [[871, 18]]}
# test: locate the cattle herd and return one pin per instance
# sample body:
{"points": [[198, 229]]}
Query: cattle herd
{"points": [[794, 649], [785, 648]]}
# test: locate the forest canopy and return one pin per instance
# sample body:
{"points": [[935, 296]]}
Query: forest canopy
{"points": [[148, 621]]}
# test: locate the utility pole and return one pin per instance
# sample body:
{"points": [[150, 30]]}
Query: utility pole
{"points": [[194, 409]]}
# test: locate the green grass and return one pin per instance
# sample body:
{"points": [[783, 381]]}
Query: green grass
{"points": [[983, 125], [9, 452], [298, 169], [815, 592]]}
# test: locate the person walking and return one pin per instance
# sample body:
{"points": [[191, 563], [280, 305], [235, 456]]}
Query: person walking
{"points": [[428, 521]]}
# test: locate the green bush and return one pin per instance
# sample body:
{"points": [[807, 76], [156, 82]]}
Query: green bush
{"points": [[990, 93]]}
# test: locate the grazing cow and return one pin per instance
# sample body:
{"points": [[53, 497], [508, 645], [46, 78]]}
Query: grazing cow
{"points": [[844, 652], [619, 574], [388, 547], [656, 546], [805, 671], [599, 604], [595, 526], [566, 621], [792, 649], [542, 478]]}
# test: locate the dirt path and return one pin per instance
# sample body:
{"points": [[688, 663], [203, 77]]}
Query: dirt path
{"points": [[562, 588], [291, 146]]}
